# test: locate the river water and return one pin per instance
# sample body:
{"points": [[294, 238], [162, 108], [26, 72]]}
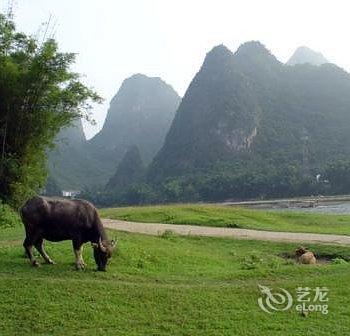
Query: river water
{"points": [[342, 208]]}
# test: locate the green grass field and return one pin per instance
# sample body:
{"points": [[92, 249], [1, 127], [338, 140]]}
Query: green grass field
{"points": [[167, 285], [225, 216]]}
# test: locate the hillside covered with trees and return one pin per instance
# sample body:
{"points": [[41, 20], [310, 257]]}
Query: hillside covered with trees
{"points": [[250, 126], [140, 114]]}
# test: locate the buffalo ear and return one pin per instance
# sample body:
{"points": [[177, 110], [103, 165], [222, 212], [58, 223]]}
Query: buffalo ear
{"points": [[113, 243], [94, 245]]}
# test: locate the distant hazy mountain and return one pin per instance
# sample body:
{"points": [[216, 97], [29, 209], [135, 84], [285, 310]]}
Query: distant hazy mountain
{"points": [[306, 55], [130, 170], [69, 164], [73, 135], [62, 158], [249, 125], [220, 113], [140, 114]]}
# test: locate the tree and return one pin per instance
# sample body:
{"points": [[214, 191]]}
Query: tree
{"points": [[39, 95], [338, 174]]}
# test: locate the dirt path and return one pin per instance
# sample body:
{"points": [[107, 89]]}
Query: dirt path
{"points": [[192, 230]]}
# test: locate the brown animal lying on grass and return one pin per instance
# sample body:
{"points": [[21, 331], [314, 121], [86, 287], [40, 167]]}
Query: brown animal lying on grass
{"points": [[304, 256]]}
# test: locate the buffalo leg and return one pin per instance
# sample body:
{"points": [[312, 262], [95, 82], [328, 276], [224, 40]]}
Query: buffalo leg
{"points": [[39, 245], [28, 247], [78, 251]]}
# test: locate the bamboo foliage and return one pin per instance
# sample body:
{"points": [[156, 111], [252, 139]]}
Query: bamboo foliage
{"points": [[39, 95]]}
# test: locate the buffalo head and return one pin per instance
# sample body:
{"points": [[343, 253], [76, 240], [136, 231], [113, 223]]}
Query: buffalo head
{"points": [[102, 252]]}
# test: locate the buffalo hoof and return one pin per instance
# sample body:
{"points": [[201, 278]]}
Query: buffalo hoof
{"points": [[50, 262], [80, 267], [35, 263]]}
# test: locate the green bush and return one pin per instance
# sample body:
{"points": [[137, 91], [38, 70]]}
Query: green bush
{"points": [[338, 261], [8, 217]]}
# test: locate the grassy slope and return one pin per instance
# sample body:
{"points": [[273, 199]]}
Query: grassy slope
{"points": [[166, 286], [212, 215]]}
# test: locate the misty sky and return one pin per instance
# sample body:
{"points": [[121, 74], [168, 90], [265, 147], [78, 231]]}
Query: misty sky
{"points": [[169, 39]]}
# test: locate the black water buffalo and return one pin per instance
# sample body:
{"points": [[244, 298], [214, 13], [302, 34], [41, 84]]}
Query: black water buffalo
{"points": [[61, 219]]}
